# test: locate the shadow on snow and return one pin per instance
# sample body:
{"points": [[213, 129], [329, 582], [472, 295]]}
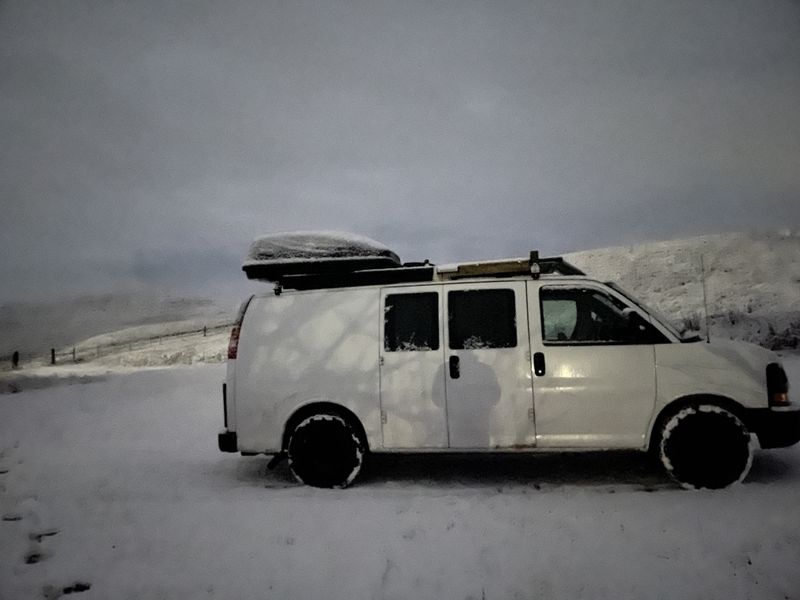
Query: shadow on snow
{"points": [[631, 469]]}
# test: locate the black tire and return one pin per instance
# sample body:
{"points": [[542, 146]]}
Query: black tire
{"points": [[706, 446], [325, 450]]}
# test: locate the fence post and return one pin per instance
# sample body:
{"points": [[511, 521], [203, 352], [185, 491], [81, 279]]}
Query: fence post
{"points": [[73, 354], [52, 356], [15, 360]]}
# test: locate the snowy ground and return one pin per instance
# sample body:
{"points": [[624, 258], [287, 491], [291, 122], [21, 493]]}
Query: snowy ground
{"points": [[117, 486]]}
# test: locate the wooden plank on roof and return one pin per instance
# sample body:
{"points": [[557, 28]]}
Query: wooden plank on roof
{"points": [[492, 269]]}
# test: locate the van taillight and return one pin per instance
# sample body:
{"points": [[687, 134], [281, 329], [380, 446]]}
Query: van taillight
{"points": [[233, 345]]}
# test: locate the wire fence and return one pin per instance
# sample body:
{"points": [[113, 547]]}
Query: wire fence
{"points": [[84, 352]]}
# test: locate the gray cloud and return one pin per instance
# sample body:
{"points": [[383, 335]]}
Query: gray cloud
{"points": [[148, 142]]}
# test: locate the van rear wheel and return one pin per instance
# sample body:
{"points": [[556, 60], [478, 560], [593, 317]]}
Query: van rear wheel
{"points": [[706, 446], [325, 450]]}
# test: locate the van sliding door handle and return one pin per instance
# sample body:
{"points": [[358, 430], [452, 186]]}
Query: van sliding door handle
{"points": [[538, 364], [455, 367]]}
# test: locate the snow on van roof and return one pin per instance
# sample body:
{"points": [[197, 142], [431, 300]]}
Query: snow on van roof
{"points": [[276, 256], [304, 246]]}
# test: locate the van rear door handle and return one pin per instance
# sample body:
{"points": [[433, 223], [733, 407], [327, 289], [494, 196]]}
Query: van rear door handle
{"points": [[538, 364], [455, 367]]}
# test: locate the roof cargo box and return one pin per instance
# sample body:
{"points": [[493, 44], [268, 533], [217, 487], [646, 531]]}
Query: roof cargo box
{"points": [[274, 256]]}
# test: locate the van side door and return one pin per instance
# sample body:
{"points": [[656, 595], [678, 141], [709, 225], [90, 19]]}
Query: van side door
{"points": [[489, 400], [412, 368], [594, 382]]}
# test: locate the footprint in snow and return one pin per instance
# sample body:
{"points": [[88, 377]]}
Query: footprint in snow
{"points": [[6, 460], [51, 592], [39, 536], [36, 555], [78, 586]]}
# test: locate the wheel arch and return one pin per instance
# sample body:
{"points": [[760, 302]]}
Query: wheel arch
{"points": [[654, 434], [315, 408]]}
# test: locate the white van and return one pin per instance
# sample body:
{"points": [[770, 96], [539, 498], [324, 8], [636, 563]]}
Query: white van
{"points": [[521, 355]]}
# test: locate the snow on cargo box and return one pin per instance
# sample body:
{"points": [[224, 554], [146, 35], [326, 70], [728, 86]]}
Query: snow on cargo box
{"points": [[298, 252]]}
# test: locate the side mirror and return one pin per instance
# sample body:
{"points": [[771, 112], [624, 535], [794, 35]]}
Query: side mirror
{"points": [[638, 326], [631, 315]]}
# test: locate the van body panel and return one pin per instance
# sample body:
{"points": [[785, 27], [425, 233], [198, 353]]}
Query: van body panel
{"points": [[300, 348], [591, 399], [734, 370], [230, 395]]}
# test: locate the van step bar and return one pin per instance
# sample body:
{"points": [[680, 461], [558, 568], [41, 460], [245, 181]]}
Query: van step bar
{"points": [[421, 273]]}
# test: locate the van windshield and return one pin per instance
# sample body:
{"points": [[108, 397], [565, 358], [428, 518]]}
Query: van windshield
{"points": [[654, 314]]}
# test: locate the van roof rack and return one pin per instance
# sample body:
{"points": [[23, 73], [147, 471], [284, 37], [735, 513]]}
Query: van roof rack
{"points": [[316, 281], [507, 267], [533, 266]]}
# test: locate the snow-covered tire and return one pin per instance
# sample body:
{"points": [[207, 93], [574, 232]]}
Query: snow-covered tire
{"points": [[325, 450], [706, 446]]}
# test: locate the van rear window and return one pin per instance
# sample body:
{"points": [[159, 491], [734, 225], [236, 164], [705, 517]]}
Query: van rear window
{"points": [[411, 322]]}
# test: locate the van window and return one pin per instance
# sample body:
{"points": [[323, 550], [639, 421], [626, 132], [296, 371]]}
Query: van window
{"points": [[584, 316], [411, 322], [482, 319]]}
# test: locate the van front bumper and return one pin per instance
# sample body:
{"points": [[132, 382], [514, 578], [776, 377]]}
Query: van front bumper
{"points": [[227, 441], [776, 428]]}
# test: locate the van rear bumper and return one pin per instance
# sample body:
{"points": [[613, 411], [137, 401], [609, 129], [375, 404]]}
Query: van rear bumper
{"points": [[227, 441], [775, 428]]}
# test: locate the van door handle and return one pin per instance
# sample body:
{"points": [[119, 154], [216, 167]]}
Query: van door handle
{"points": [[538, 364], [455, 367]]}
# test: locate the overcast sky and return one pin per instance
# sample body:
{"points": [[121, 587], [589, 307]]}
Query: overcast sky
{"points": [[147, 142]]}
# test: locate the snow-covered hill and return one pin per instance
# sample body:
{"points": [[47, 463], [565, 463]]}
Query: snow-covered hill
{"points": [[752, 282], [34, 327]]}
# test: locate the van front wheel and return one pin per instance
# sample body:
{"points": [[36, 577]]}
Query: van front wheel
{"points": [[324, 450], [706, 446]]}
